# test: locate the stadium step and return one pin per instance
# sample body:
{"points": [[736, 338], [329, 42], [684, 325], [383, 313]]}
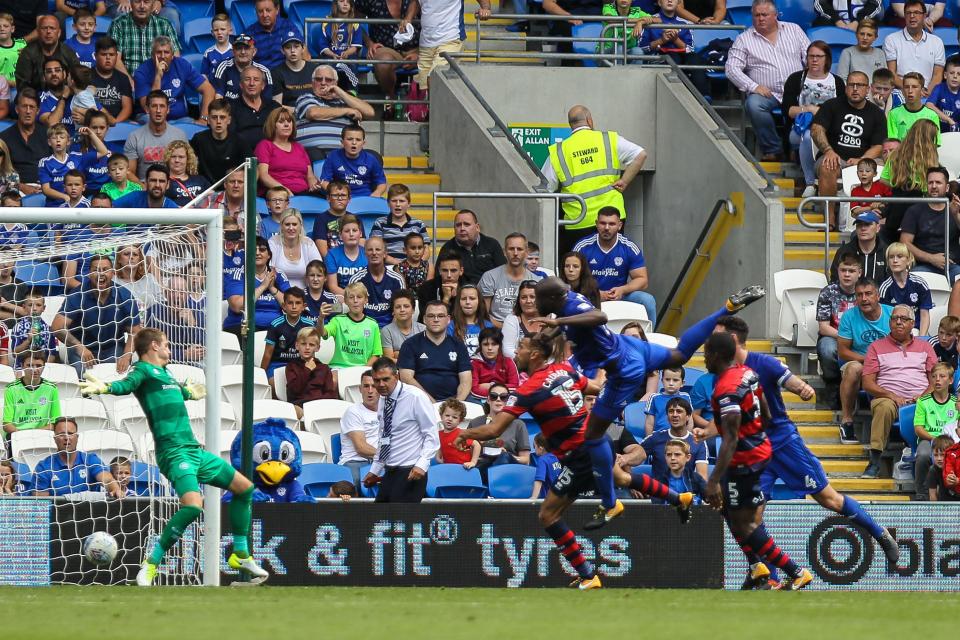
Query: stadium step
{"points": [[802, 416], [841, 468], [810, 237], [878, 497], [862, 484], [825, 433], [848, 451]]}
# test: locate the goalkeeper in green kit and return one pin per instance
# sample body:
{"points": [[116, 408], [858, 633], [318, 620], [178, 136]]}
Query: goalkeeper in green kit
{"points": [[182, 460]]}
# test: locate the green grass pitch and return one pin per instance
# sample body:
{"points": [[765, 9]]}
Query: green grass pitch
{"points": [[79, 613]]}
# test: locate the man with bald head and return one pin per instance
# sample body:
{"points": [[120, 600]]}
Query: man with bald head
{"points": [[29, 70], [896, 371], [589, 163]]}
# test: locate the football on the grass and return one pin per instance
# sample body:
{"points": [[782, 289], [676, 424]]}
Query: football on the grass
{"points": [[100, 548]]}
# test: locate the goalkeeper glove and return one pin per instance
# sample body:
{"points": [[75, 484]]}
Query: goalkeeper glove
{"points": [[92, 386], [197, 390]]}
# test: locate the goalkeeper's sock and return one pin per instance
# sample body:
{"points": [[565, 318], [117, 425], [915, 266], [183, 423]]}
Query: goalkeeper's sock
{"points": [[175, 527], [694, 337], [240, 510]]}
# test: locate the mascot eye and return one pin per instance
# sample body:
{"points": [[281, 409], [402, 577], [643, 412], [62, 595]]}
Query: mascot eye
{"points": [[261, 452], [287, 452]]}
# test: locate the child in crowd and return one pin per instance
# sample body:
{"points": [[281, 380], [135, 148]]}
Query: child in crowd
{"points": [[356, 337], [863, 57], [452, 414], [944, 100], [119, 184], [681, 478], [675, 41], [492, 367], [318, 299], [95, 164], [278, 199], [344, 261], [32, 333], [80, 80], [222, 29], [936, 415], [342, 41], [548, 468], [882, 90], [937, 481], [672, 379], [74, 184], [9, 178], [54, 167], [122, 470], [353, 164], [292, 78], [398, 224], [533, 260], [343, 489], [281, 341], [868, 188], [639, 19], [903, 287], [414, 268], [469, 319], [901, 119], [85, 24], [9, 482], [13, 235], [945, 342], [30, 402], [308, 378], [9, 49]]}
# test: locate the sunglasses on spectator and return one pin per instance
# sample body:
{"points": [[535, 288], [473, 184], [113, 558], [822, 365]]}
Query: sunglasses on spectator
{"points": [[498, 396]]}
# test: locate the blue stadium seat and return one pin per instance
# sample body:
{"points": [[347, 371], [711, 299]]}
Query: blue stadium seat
{"points": [[300, 10], [703, 37], [195, 29], [145, 478], [364, 492], [309, 205], [739, 12], [635, 418], [335, 448], [798, 11], [103, 26], [453, 481], [906, 426], [243, 13], [368, 209], [5, 124], [191, 10], [317, 477], [533, 427], [949, 37], [587, 30], [317, 167], [511, 480], [643, 468], [838, 39], [189, 127], [42, 275], [195, 60], [690, 377], [24, 476], [34, 200]]}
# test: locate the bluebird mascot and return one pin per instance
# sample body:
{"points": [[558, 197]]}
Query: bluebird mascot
{"points": [[277, 461]]}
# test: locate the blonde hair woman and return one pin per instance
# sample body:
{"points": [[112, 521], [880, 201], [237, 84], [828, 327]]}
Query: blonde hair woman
{"points": [[131, 273], [292, 249], [185, 184], [906, 173]]}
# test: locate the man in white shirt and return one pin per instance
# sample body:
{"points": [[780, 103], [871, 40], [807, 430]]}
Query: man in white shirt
{"points": [[360, 429], [441, 31], [914, 49], [409, 437]]}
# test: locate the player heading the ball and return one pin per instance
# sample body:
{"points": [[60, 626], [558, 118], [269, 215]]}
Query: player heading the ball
{"points": [[182, 460]]}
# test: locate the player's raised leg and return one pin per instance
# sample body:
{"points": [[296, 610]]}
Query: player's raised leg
{"points": [[220, 474], [649, 487]]}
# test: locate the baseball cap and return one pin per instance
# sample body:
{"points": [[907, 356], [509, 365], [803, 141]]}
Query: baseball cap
{"points": [[868, 217], [291, 36], [243, 40]]}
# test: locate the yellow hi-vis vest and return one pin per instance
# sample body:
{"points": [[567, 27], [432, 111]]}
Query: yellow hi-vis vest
{"points": [[587, 164]]}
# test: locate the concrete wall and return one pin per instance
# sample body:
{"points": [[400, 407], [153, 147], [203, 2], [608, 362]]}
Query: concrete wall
{"points": [[687, 171]]}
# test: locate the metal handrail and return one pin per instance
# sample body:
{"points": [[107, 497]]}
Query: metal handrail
{"points": [[503, 195], [816, 226], [721, 205], [504, 129]]}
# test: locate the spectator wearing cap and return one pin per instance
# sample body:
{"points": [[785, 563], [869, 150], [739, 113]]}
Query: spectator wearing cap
{"points": [[866, 244], [173, 76], [226, 79], [135, 32], [325, 111], [270, 31], [294, 76]]}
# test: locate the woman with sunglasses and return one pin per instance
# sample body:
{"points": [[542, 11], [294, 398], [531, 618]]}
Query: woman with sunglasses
{"points": [[491, 367], [513, 445], [520, 323]]}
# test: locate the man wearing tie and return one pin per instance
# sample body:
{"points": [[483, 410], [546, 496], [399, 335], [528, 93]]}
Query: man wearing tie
{"points": [[409, 437]]}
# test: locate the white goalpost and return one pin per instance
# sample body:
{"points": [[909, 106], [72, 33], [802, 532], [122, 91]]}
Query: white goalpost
{"points": [[182, 250]]}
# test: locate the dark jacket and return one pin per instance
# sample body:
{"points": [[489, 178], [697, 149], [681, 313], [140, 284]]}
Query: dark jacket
{"points": [[874, 264], [430, 291], [483, 256], [304, 385], [827, 11], [29, 71]]}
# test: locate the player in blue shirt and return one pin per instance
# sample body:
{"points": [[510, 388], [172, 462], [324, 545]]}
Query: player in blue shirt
{"points": [[792, 461], [627, 361], [354, 165], [178, 75]]}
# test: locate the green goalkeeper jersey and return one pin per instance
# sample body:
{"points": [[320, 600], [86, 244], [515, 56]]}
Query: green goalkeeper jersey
{"points": [[161, 398]]}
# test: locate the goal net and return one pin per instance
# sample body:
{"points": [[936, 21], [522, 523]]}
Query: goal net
{"points": [[76, 285]]}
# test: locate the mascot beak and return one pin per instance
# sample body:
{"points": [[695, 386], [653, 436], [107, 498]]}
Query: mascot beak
{"points": [[272, 472]]}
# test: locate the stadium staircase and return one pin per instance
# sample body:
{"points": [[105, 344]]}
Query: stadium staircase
{"points": [[415, 172]]}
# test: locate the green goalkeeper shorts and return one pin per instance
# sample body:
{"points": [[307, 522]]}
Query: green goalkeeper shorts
{"points": [[188, 468]]}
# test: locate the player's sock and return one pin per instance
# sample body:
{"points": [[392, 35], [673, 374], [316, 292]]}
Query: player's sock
{"points": [[174, 528], [566, 541], [240, 510], [761, 542], [852, 509], [753, 558], [601, 457], [694, 337], [653, 488]]}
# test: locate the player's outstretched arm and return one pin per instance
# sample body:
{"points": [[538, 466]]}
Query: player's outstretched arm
{"points": [[592, 318], [92, 386], [487, 432], [194, 390]]}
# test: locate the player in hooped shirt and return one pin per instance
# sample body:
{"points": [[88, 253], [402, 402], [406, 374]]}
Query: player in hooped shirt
{"points": [[734, 484], [627, 361], [792, 461], [553, 395]]}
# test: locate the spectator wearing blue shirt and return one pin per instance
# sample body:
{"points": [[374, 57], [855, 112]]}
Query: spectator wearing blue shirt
{"points": [[548, 468], [173, 76], [675, 42], [55, 95], [656, 409], [233, 254], [652, 448], [344, 261], [54, 167], [154, 196], [71, 471], [221, 28], [435, 361], [617, 263], [85, 24], [270, 285], [700, 399], [945, 97], [381, 284], [903, 287], [270, 31], [353, 164], [680, 477]]}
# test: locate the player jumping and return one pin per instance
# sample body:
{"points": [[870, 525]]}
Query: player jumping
{"points": [[734, 485], [182, 460], [792, 461], [553, 395], [627, 361]]}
